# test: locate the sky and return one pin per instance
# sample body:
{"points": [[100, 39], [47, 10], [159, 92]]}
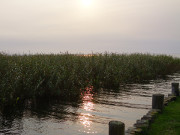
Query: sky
{"points": [[90, 26]]}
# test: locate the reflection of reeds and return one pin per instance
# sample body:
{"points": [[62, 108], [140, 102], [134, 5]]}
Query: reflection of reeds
{"points": [[63, 75]]}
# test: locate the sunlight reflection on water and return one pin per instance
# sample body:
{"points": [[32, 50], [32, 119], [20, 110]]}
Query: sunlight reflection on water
{"points": [[88, 106]]}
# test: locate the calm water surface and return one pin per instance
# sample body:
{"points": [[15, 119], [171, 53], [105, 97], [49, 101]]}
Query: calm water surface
{"points": [[91, 116]]}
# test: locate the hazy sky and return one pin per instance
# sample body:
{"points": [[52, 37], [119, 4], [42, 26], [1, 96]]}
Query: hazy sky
{"points": [[52, 26]]}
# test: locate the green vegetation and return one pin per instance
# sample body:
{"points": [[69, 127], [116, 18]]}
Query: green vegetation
{"points": [[63, 75], [167, 123]]}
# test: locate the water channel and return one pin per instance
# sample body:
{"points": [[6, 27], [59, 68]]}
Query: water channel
{"points": [[91, 115]]}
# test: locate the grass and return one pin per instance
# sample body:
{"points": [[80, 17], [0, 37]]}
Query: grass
{"points": [[167, 123], [63, 75]]}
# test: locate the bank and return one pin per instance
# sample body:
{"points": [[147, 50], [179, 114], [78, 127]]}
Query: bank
{"points": [[167, 122]]}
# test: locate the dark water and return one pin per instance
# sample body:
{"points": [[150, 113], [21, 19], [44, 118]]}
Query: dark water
{"points": [[91, 116]]}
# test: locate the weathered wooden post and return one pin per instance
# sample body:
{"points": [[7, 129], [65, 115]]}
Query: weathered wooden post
{"points": [[157, 101], [175, 89], [116, 128]]}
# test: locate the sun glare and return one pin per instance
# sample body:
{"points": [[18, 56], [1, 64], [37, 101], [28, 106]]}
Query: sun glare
{"points": [[86, 3]]}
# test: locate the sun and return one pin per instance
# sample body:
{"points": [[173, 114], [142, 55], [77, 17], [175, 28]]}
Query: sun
{"points": [[86, 3]]}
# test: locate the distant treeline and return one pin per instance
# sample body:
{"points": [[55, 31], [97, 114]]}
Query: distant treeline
{"points": [[63, 75]]}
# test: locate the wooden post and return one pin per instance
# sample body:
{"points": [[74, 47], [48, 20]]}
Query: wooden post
{"points": [[116, 128], [175, 89], [157, 101]]}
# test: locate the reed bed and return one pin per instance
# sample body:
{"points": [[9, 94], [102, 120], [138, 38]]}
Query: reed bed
{"points": [[64, 75]]}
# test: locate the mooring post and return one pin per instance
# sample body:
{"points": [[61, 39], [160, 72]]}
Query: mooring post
{"points": [[175, 89], [116, 128], [157, 101]]}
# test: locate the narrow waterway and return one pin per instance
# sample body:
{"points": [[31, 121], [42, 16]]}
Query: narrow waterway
{"points": [[91, 115]]}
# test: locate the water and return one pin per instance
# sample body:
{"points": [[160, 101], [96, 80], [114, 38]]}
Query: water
{"points": [[176, 55], [91, 116]]}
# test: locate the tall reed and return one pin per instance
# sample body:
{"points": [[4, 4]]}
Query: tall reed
{"points": [[63, 75]]}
